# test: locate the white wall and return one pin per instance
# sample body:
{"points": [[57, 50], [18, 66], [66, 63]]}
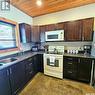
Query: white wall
{"points": [[20, 17], [16, 15], [66, 15]]}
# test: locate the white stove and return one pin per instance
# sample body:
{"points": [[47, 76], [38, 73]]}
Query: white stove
{"points": [[53, 63]]}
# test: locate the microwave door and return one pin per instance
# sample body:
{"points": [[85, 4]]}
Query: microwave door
{"points": [[54, 35], [51, 36]]}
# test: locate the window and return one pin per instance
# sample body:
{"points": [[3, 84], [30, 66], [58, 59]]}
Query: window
{"points": [[8, 35]]}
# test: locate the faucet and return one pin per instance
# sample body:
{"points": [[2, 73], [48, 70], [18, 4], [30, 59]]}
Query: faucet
{"points": [[55, 50]]}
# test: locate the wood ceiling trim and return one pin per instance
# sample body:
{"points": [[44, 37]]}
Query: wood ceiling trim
{"points": [[49, 6], [61, 7]]}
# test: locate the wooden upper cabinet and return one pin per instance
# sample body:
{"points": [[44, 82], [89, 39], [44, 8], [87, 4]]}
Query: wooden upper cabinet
{"points": [[60, 26], [25, 32], [35, 34], [50, 27], [73, 30], [87, 33], [28, 32], [42, 30]]}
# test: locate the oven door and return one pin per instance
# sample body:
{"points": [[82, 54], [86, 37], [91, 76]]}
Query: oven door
{"points": [[54, 68], [57, 65]]}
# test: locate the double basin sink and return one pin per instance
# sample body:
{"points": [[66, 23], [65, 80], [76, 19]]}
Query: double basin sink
{"points": [[7, 60]]}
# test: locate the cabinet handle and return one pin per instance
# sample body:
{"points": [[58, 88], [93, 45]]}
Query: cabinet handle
{"points": [[10, 71], [69, 58], [30, 64], [70, 63], [7, 72], [30, 59], [70, 72], [78, 60], [16, 91], [31, 72], [83, 38]]}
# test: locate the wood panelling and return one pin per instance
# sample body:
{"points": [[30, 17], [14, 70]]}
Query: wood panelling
{"points": [[73, 30], [35, 34], [48, 6], [87, 34]]}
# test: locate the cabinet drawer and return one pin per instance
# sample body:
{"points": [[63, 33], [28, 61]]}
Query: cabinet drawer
{"points": [[85, 60], [29, 75], [70, 59], [70, 74], [70, 65]]}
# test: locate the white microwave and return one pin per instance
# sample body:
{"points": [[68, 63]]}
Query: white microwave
{"points": [[57, 35]]}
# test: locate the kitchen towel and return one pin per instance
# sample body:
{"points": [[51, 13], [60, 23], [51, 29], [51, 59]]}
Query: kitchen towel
{"points": [[52, 59]]}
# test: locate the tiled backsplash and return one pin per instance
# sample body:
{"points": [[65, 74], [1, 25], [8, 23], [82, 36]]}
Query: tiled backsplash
{"points": [[69, 45], [24, 47]]}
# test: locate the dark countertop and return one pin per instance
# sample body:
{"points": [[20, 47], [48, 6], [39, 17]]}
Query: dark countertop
{"points": [[79, 55], [20, 58], [30, 54], [75, 55]]}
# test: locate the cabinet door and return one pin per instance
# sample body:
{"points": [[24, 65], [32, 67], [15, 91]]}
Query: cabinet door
{"points": [[28, 32], [4, 82], [84, 69], [42, 30], [60, 26], [29, 69], [17, 75], [87, 34], [25, 33], [50, 27], [73, 31], [35, 65], [70, 67], [40, 63], [35, 34]]}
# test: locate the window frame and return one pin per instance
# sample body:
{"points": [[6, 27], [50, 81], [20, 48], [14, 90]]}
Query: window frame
{"points": [[17, 48]]}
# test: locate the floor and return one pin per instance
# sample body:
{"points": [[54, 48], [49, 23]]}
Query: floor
{"points": [[45, 85]]}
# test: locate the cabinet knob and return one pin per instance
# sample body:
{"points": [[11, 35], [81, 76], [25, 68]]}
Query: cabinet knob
{"points": [[30, 64], [7, 72], [70, 72], [70, 63], [83, 38], [70, 59], [78, 60], [10, 71], [31, 72]]}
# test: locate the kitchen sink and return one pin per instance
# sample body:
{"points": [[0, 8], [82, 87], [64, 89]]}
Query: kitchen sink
{"points": [[7, 60], [1, 64]]}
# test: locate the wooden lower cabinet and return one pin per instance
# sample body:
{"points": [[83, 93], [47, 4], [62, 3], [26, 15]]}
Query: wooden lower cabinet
{"points": [[30, 68], [40, 63], [17, 74], [77, 68], [12, 79], [15, 77], [70, 67], [84, 69], [4, 82]]}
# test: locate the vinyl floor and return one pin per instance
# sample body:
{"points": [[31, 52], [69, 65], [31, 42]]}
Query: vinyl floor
{"points": [[46, 85]]}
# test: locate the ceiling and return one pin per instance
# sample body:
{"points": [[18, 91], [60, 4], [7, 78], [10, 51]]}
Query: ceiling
{"points": [[48, 6]]}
